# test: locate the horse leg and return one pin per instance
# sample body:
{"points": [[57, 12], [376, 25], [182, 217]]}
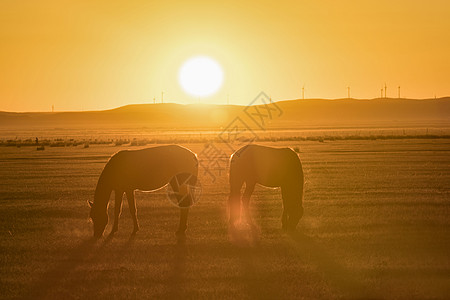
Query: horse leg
{"points": [[286, 207], [234, 201], [284, 216], [133, 210], [184, 211], [249, 187], [117, 210]]}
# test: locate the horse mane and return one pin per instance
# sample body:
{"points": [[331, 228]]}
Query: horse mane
{"points": [[104, 183], [239, 151]]}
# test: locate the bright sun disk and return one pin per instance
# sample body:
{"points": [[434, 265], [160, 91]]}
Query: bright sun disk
{"points": [[200, 76]]}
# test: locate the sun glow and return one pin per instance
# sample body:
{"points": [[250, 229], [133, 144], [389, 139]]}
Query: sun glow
{"points": [[200, 76]]}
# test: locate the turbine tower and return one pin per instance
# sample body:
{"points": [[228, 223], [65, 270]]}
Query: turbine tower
{"points": [[162, 96], [303, 92], [381, 95], [348, 92], [398, 92], [385, 90]]}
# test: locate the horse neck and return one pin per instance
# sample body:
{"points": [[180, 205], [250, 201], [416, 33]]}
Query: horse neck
{"points": [[102, 192]]}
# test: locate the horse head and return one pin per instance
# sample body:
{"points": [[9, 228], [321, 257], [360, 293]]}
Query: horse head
{"points": [[294, 213], [294, 217], [99, 219]]}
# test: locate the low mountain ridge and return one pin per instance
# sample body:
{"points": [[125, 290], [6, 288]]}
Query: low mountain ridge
{"points": [[281, 114]]}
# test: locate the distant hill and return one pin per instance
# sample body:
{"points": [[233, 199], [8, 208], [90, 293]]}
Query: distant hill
{"points": [[294, 114]]}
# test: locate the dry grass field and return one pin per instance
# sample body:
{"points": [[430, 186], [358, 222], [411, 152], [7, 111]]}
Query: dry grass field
{"points": [[376, 225]]}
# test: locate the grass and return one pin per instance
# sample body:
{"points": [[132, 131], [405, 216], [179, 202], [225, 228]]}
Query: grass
{"points": [[143, 137], [376, 225]]}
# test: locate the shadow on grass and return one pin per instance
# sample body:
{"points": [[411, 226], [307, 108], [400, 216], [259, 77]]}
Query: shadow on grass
{"points": [[335, 274], [86, 251], [57, 274], [177, 276], [259, 283]]}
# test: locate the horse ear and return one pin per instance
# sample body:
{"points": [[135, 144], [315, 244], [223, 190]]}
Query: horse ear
{"points": [[90, 203]]}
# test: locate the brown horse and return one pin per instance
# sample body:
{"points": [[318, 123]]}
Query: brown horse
{"points": [[146, 169], [271, 167]]}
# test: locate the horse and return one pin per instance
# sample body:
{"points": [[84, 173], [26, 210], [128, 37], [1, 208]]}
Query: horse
{"points": [[147, 170], [270, 167]]}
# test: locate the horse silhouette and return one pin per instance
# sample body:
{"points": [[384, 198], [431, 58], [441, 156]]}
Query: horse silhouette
{"points": [[270, 167], [147, 170]]}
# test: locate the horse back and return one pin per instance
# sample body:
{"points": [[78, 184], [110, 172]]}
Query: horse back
{"points": [[266, 165], [150, 168]]}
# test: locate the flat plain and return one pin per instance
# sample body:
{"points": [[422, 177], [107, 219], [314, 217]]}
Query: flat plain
{"points": [[376, 225]]}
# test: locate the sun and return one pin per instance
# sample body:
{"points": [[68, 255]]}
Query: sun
{"points": [[200, 76]]}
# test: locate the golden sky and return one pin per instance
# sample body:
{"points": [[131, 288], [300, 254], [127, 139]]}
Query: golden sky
{"points": [[103, 54]]}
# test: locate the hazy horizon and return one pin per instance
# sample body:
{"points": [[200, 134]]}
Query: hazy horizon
{"points": [[55, 109]]}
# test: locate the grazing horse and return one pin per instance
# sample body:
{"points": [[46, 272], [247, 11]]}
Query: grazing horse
{"points": [[146, 169], [271, 167]]}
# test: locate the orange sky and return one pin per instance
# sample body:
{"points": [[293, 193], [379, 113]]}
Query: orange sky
{"points": [[103, 54]]}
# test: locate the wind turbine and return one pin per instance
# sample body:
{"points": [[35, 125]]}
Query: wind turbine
{"points": [[398, 92], [303, 92], [348, 92], [385, 90]]}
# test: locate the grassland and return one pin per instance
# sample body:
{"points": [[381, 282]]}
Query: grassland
{"points": [[376, 225]]}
